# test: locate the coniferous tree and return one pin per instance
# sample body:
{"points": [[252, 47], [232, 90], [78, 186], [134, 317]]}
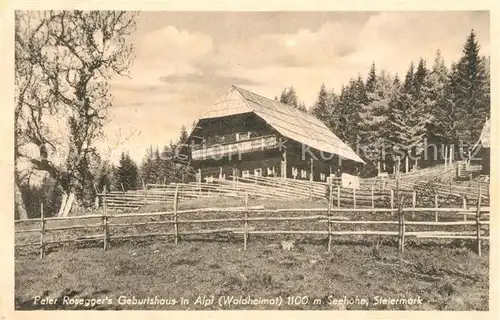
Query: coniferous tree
{"points": [[334, 102], [127, 173], [350, 100], [374, 126], [302, 107], [149, 170], [322, 107], [183, 135], [289, 96], [439, 124], [105, 177], [372, 79], [410, 120], [472, 95], [420, 78]]}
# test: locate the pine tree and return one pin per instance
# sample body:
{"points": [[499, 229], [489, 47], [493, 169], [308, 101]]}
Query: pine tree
{"points": [[439, 124], [371, 81], [351, 98], [322, 107], [340, 121], [447, 116], [408, 86], [127, 174], [420, 78], [289, 96], [407, 119], [149, 167], [302, 107], [105, 176], [472, 96], [183, 135], [374, 126]]}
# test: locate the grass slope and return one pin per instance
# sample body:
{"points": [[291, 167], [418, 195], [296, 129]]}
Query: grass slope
{"points": [[445, 278]]}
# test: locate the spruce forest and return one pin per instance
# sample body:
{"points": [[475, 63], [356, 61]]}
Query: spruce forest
{"points": [[432, 104]]}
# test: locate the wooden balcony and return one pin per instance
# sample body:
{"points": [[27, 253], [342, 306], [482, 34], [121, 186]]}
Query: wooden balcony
{"points": [[235, 148]]}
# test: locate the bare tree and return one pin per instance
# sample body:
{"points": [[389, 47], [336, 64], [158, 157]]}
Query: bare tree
{"points": [[63, 63]]}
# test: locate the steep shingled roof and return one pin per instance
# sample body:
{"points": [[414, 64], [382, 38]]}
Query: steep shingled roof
{"points": [[287, 120], [485, 134]]}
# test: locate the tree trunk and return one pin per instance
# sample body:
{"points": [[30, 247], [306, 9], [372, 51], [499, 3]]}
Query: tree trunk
{"points": [[66, 204], [20, 209]]}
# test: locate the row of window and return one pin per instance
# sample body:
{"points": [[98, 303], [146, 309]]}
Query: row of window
{"points": [[240, 136], [305, 175]]}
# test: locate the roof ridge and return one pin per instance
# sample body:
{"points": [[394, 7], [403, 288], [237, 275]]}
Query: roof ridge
{"points": [[277, 101]]}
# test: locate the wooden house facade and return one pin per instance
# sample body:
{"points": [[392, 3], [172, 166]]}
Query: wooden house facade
{"points": [[245, 134]]}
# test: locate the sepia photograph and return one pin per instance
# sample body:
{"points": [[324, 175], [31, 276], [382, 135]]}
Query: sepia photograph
{"points": [[251, 160]]}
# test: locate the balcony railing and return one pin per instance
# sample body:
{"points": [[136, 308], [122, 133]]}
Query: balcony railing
{"points": [[234, 148]]}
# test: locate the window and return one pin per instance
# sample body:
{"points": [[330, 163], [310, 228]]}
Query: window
{"points": [[322, 176], [243, 136], [220, 139], [270, 171], [295, 172], [303, 174], [257, 172], [245, 174], [209, 179]]}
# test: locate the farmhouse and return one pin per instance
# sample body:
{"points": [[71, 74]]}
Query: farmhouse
{"points": [[245, 134]]}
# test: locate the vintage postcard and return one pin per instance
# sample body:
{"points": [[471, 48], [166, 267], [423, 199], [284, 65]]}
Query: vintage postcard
{"points": [[243, 159]]}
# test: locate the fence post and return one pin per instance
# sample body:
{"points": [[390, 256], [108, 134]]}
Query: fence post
{"points": [[403, 227], [478, 225], [145, 192], [414, 204], [245, 231], [104, 201], [401, 224], [338, 196], [373, 201], [330, 200], [392, 202], [176, 230], [105, 223], [310, 191], [42, 232], [354, 197], [199, 183], [436, 206], [464, 200]]}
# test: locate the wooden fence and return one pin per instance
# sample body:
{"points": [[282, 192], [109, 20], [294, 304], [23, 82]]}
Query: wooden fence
{"points": [[323, 220], [422, 194]]}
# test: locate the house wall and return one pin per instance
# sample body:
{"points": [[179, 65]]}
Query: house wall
{"points": [[269, 159], [247, 162]]}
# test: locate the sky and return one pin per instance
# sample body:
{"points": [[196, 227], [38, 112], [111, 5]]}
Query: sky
{"points": [[184, 61]]}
